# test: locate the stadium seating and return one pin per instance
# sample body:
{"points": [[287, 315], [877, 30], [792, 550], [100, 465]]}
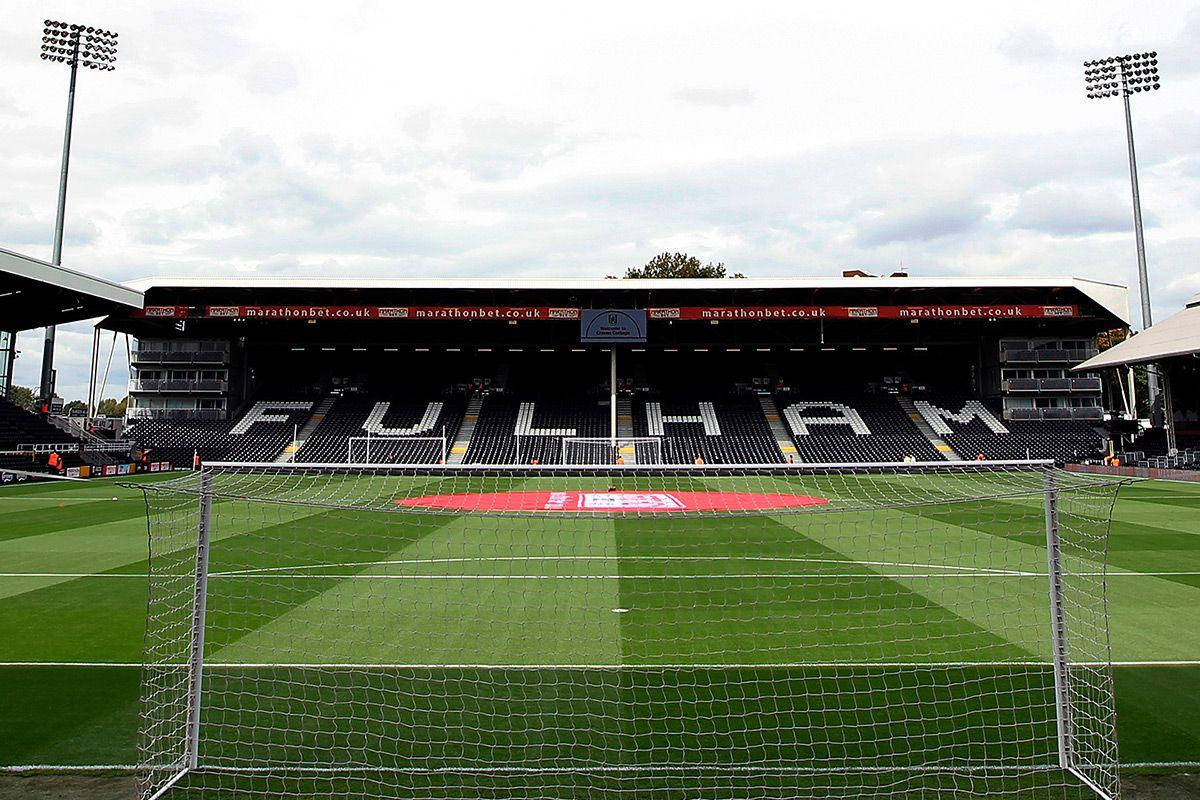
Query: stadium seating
{"points": [[259, 440], [329, 443], [743, 438], [18, 426], [892, 435], [985, 433], [545, 420]]}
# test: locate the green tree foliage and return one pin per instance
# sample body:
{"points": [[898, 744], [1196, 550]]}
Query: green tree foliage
{"points": [[678, 265], [74, 405], [23, 396], [109, 407]]}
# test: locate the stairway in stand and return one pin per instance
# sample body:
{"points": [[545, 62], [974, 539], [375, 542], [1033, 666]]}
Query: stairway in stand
{"points": [[462, 441], [778, 430], [628, 452], [318, 416], [938, 442]]}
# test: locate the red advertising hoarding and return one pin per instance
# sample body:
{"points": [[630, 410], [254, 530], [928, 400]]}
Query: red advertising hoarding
{"points": [[733, 313], [393, 312], [941, 311]]}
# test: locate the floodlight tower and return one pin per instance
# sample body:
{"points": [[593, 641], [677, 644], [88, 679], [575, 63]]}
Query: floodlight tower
{"points": [[1124, 76], [73, 45]]}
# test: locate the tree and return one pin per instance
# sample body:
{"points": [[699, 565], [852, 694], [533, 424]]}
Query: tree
{"points": [[678, 265], [23, 396], [109, 407], [74, 405]]}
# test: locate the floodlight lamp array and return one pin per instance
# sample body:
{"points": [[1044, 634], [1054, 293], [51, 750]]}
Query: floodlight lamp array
{"points": [[83, 45], [1116, 75]]}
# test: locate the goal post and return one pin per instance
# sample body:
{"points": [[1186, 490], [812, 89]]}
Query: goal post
{"points": [[748, 631], [607, 450], [395, 449]]}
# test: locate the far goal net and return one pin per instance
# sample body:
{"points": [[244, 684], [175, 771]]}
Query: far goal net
{"points": [[607, 451], [919, 630], [396, 450]]}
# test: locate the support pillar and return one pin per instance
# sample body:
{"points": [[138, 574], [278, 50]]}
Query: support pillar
{"points": [[612, 395]]}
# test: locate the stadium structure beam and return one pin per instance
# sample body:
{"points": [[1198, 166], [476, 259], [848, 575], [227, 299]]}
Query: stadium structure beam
{"points": [[612, 395], [1126, 75], [73, 45]]}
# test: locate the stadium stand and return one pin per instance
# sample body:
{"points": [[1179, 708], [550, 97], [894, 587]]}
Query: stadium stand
{"points": [[973, 429], [259, 434], [539, 422], [853, 428], [732, 430], [20, 428], [357, 416]]}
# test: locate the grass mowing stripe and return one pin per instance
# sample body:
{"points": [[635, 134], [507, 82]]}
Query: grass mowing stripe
{"points": [[66, 715], [773, 617], [451, 620], [39, 522]]}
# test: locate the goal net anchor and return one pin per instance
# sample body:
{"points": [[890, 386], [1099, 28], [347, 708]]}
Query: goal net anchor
{"points": [[283, 705]]}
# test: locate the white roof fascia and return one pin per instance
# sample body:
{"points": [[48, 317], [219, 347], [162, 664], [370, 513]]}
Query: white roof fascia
{"points": [[43, 272], [1177, 335]]}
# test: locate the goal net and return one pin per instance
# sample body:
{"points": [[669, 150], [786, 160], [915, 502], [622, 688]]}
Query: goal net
{"points": [[396, 450], [580, 450], [561, 632]]}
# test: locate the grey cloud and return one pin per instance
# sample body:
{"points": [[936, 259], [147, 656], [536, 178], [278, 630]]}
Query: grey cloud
{"points": [[908, 224], [1181, 55], [19, 226], [500, 146], [718, 96], [1061, 211], [1027, 43], [271, 76]]}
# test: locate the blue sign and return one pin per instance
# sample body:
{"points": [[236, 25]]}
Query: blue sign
{"points": [[613, 325]]}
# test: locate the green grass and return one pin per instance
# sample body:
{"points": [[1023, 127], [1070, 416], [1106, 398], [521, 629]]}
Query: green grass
{"points": [[696, 597]]}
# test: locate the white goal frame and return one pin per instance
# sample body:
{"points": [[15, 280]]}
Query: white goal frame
{"points": [[1069, 760], [368, 439], [615, 442]]}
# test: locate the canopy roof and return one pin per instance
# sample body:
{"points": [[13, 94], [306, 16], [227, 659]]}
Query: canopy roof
{"points": [[34, 294], [1112, 298], [1177, 335]]}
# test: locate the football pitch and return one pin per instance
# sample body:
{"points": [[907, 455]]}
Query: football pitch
{"points": [[551, 641]]}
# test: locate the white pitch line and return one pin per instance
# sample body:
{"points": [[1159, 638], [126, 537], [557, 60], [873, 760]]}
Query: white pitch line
{"points": [[17, 768], [592, 576], [68, 767], [72, 575], [607, 667], [487, 559], [616, 576]]}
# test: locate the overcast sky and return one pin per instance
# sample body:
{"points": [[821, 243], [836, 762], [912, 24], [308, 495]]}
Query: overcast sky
{"points": [[442, 139]]}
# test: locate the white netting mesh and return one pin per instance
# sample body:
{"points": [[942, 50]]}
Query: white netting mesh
{"points": [[396, 450], [765, 632]]}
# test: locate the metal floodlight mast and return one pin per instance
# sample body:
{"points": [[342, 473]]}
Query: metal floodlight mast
{"points": [[1124, 76], [75, 46]]}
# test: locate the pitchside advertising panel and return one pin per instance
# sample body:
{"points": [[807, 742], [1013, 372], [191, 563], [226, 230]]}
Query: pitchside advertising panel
{"points": [[333, 312]]}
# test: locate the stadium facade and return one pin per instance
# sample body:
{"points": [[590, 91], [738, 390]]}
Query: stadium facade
{"points": [[488, 365]]}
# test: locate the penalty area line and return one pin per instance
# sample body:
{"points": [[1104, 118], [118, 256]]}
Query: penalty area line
{"points": [[340, 665], [19, 768]]}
